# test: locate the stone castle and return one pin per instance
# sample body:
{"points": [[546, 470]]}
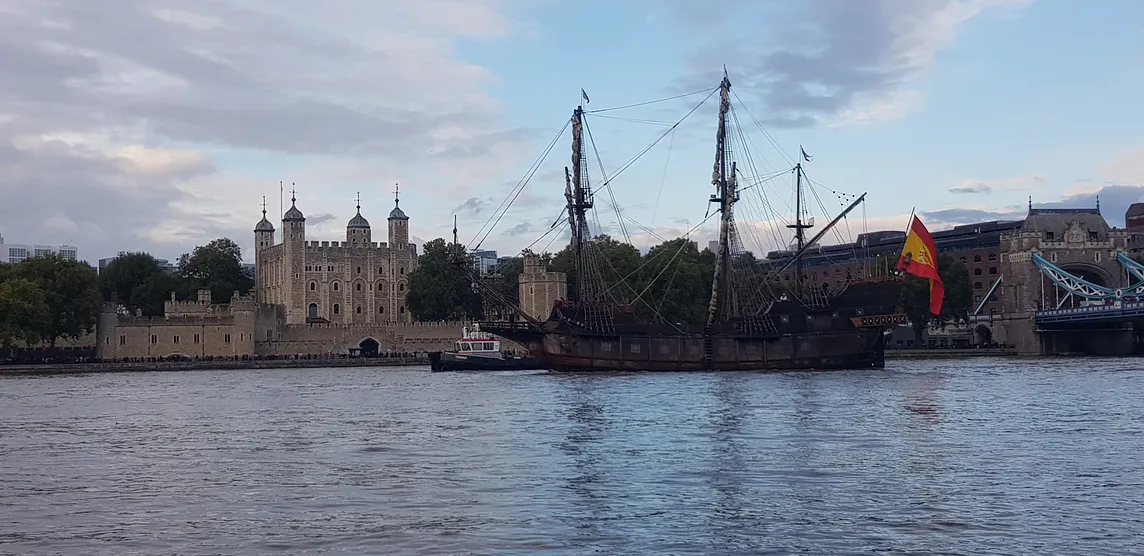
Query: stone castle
{"points": [[310, 298]]}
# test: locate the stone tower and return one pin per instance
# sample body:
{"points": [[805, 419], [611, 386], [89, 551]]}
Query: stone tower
{"points": [[294, 255], [398, 224], [263, 239], [540, 288], [358, 233]]}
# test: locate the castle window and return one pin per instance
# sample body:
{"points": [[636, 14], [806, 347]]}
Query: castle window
{"points": [[330, 268], [380, 287], [977, 272], [337, 309], [1097, 256], [403, 309], [380, 271], [196, 339], [357, 286], [154, 339], [992, 270], [401, 287], [358, 270], [122, 340], [977, 285], [1053, 257], [992, 257], [977, 258], [1093, 237], [312, 311], [403, 270], [175, 340], [308, 267], [1048, 236], [358, 310], [313, 286], [381, 310], [226, 338], [335, 286]]}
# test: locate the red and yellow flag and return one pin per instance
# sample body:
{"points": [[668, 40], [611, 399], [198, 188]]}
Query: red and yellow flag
{"points": [[919, 257]]}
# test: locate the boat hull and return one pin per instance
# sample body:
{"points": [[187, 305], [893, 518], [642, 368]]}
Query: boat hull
{"points": [[445, 361], [857, 349]]}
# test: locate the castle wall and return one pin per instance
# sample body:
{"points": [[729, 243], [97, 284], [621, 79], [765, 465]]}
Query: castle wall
{"points": [[356, 283], [332, 338]]}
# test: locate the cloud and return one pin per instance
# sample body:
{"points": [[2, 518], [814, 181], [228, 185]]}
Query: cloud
{"points": [[153, 124], [471, 207], [975, 185], [833, 61], [520, 228]]}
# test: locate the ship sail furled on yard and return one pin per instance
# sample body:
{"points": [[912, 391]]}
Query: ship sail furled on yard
{"points": [[754, 320]]}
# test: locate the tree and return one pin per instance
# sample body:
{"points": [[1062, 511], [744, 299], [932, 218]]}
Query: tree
{"points": [[70, 291], [441, 288], [616, 261], [137, 280], [216, 266], [676, 282], [956, 304], [24, 312]]}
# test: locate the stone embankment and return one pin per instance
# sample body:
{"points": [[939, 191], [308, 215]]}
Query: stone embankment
{"points": [[934, 353], [209, 365]]}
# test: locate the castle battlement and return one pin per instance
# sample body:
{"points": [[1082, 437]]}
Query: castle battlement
{"points": [[177, 320], [381, 325]]}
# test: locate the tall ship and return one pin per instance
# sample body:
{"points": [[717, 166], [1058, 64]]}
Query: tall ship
{"points": [[754, 321]]}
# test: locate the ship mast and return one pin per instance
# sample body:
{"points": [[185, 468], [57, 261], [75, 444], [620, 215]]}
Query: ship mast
{"points": [[725, 195], [579, 201], [800, 228]]}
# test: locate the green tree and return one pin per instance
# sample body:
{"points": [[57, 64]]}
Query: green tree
{"points": [[137, 280], [216, 266], [70, 291], [24, 312], [614, 261], [955, 305], [441, 288], [676, 282]]}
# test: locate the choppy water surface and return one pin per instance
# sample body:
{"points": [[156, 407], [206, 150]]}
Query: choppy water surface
{"points": [[965, 457]]}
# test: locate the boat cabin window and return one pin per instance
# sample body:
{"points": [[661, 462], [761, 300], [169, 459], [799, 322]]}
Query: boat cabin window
{"points": [[463, 346]]}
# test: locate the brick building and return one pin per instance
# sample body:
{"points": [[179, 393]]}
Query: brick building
{"points": [[978, 246]]}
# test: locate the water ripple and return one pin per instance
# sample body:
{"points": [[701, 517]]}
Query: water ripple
{"points": [[950, 457]]}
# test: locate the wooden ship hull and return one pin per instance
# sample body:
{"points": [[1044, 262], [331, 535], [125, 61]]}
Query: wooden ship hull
{"points": [[848, 333]]}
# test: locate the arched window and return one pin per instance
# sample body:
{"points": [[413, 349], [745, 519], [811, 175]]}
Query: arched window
{"points": [[357, 286], [313, 286], [358, 270], [381, 286], [401, 287], [977, 272], [337, 309], [336, 286], [977, 258], [403, 270], [380, 270], [358, 310], [403, 309], [381, 309], [992, 257], [312, 311]]}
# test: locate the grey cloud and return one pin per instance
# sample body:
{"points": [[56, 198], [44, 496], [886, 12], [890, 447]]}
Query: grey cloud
{"points": [[968, 189], [520, 229], [815, 59], [1114, 201], [471, 207], [319, 219], [114, 73], [969, 216]]}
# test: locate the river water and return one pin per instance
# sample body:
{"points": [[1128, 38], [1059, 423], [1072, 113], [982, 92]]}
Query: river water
{"points": [[938, 457]]}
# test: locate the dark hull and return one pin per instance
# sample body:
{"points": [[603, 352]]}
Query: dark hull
{"points": [[846, 334], [442, 362]]}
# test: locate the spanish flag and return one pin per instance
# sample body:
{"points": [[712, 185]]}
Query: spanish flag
{"points": [[919, 257]]}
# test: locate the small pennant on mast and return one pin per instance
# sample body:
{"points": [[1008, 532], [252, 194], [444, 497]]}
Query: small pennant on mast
{"points": [[805, 157], [584, 96]]}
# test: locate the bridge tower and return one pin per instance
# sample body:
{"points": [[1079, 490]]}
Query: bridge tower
{"points": [[1078, 241]]}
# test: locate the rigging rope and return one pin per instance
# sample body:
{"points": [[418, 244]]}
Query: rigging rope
{"points": [[493, 220], [650, 101], [604, 175]]}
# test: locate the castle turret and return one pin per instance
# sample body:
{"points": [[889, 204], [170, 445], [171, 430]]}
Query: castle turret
{"points": [[540, 288], [294, 255], [358, 232], [263, 239], [398, 224]]}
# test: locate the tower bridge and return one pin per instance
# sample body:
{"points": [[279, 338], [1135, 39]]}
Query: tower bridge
{"points": [[1068, 285]]}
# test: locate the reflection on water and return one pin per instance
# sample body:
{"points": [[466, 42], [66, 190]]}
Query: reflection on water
{"points": [[976, 457]]}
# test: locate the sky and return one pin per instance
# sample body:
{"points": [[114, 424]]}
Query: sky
{"points": [[159, 125]]}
